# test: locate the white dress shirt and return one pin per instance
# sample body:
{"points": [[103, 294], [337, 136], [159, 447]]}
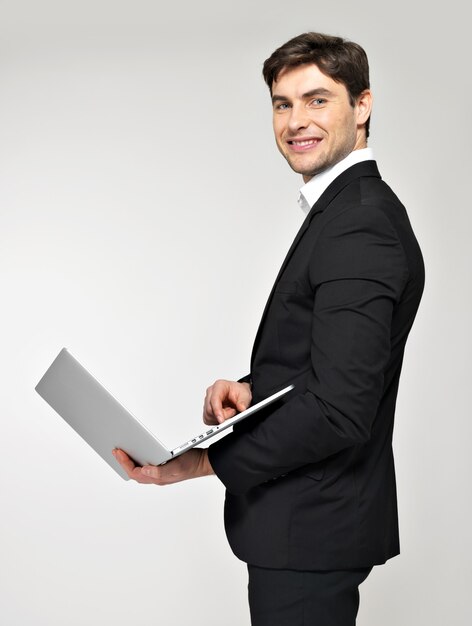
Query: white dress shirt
{"points": [[312, 190]]}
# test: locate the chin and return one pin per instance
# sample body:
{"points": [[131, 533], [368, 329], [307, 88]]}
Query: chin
{"points": [[309, 170]]}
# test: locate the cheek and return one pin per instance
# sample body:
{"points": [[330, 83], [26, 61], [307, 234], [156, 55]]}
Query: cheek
{"points": [[277, 132], [324, 123], [343, 128], [349, 124], [278, 124]]}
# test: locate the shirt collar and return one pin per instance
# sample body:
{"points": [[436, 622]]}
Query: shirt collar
{"points": [[312, 190]]}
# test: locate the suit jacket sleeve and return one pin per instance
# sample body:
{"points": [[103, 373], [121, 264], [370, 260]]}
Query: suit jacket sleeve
{"points": [[357, 272]]}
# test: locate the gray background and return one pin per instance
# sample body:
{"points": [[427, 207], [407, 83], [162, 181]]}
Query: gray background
{"points": [[144, 212]]}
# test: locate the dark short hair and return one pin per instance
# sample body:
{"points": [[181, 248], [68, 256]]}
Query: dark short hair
{"points": [[344, 61]]}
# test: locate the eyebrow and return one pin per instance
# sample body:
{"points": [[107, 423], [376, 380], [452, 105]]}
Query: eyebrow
{"points": [[318, 91]]}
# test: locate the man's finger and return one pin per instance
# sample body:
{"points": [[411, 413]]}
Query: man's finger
{"points": [[208, 415], [216, 406], [151, 471], [126, 463], [134, 471], [229, 412]]}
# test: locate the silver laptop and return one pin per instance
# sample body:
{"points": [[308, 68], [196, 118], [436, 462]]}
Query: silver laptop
{"points": [[105, 424]]}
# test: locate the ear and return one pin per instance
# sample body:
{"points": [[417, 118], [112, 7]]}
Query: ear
{"points": [[364, 107]]}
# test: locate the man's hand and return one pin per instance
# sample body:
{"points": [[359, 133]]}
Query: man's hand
{"points": [[191, 464], [224, 399]]}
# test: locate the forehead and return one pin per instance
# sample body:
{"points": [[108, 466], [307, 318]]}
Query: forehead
{"points": [[294, 82]]}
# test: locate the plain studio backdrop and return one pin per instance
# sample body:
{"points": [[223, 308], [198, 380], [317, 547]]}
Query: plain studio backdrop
{"points": [[144, 214]]}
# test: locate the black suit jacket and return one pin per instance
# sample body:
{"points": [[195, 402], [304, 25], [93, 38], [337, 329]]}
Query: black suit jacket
{"points": [[311, 482]]}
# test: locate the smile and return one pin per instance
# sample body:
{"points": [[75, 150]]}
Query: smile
{"points": [[303, 144]]}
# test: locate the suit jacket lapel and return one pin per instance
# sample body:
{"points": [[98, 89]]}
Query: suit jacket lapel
{"points": [[365, 168]]}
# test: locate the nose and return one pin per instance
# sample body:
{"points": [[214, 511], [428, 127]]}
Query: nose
{"points": [[299, 118]]}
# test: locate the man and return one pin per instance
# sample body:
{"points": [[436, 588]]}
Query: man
{"points": [[311, 498]]}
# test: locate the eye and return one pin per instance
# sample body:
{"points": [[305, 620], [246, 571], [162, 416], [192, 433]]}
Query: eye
{"points": [[318, 102], [282, 106]]}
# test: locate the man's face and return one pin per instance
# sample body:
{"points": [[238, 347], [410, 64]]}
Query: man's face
{"points": [[315, 125]]}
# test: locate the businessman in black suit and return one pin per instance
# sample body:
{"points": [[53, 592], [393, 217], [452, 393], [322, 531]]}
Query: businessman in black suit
{"points": [[311, 497]]}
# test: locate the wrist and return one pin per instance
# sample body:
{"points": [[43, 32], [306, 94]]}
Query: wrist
{"points": [[205, 465]]}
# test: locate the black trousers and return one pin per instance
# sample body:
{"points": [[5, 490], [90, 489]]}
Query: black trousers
{"points": [[304, 598]]}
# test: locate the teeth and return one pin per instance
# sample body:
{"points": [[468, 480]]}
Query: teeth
{"points": [[304, 143]]}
